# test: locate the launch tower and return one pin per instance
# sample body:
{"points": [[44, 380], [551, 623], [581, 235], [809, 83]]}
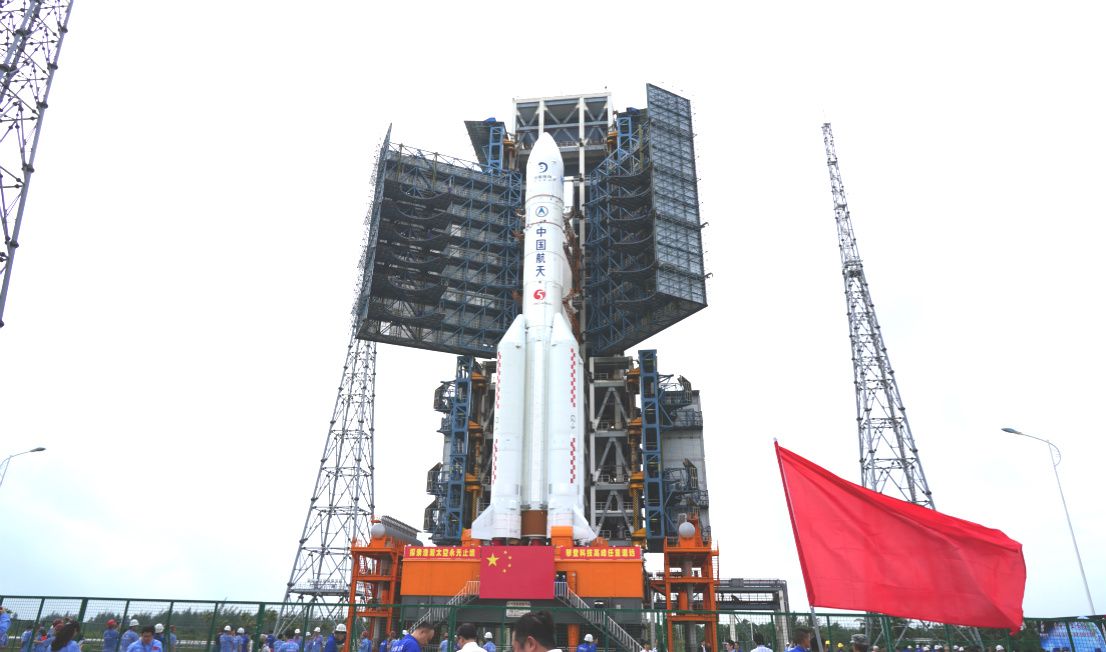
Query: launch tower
{"points": [[573, 236]]}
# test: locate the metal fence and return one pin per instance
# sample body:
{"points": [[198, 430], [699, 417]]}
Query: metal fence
{"points": [[196, 624]]}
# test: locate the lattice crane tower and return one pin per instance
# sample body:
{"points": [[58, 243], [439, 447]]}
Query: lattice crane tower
{"points": [[889, 461], [32, 31]]}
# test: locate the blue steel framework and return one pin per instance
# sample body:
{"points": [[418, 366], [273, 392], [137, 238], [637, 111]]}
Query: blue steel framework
{"points": [[444, 259], [445, 517], [667, 490], [644, 250], [442, 272], [32, 33]]}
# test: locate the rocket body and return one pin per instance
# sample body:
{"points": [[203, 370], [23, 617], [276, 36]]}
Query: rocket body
{"points": [[538, 448]]}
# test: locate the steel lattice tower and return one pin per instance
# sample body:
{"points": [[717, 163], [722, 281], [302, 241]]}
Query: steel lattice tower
{"points": [[32, 31], [889, 461], [342, 505]]}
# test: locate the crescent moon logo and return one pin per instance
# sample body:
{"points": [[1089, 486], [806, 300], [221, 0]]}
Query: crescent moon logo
{"points": [[543, 167]]}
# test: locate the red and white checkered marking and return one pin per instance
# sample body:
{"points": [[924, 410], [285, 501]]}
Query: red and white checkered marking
{"points": [[495, 458], [572, 375], [498, 376], [572, 461]]}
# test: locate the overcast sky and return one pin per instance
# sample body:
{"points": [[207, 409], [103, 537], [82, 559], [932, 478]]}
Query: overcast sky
{"points": [[179, 310]]}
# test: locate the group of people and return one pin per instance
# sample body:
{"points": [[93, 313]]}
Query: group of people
{"points": [[294, 641], [857, 643], [64, 635], [533, 632], [137, 638]]}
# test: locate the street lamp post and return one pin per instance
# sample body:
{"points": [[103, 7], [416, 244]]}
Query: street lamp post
{"points": [[1064, 502], [8, 460]]}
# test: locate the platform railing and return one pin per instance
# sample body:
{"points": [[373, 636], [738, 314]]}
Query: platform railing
{"points": [[597, 617]]}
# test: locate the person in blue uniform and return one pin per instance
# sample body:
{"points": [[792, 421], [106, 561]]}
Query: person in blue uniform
{"points": [[111, 637], [145, 643], [414, 641], [5, 625], [27, 639], [335, 641], [489, 646], [227, 642], [387, 643], [802, 640], [63, 639], [129, 636], [314, 643], [588, 645], [366, 643]]}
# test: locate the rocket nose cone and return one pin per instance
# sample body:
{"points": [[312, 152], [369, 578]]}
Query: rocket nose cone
{"points": [[545, 158]]}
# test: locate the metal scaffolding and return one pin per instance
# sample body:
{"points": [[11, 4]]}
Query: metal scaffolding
{"points": [[644, 248], [33, 31], [443, 257]]}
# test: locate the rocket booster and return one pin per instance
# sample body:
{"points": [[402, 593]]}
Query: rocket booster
{"points": [[538, 448]]}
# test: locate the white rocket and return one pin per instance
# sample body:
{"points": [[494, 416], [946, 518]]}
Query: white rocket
{"points": [[538, 450]]}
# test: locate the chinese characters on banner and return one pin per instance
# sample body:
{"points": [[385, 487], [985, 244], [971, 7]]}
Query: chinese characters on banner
{"points": [[584, 554], [441, 553]]}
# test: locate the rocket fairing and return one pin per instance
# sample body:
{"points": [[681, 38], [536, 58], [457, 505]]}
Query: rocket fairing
{"points": [[538, 447]]}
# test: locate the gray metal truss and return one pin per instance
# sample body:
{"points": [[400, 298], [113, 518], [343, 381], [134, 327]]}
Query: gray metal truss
{"points": [[611, 458], [889, 461], [33, 31]]}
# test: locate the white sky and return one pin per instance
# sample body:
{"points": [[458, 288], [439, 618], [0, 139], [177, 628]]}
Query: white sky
{"points": [[179, 309]]}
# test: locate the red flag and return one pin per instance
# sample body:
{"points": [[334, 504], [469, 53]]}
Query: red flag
{"points": [[516, 572], [860, 549]]}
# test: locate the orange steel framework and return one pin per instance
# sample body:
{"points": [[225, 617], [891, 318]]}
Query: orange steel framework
{"points": [[374, 584], [688, 585], [382, 574]]}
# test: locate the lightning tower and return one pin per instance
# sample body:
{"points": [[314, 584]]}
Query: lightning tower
{"points": [[342, 505], [889, 461], [32, 31]]}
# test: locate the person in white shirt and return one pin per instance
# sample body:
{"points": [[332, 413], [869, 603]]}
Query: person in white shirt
{"points": [[758, 638], [466, 638]]}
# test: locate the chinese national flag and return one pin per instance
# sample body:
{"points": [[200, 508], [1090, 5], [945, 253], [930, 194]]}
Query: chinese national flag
{"points": [[862, 550], [516, 572]]}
